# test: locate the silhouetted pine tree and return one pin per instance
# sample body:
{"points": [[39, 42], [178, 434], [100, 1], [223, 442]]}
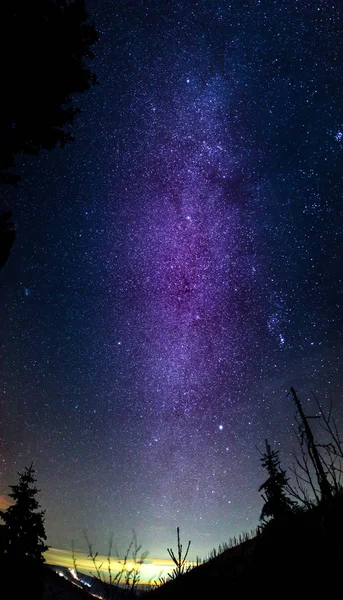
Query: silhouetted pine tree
{"points": [[276, 501], [25, 532], [23, 538], [45, 51], [45, 48]]}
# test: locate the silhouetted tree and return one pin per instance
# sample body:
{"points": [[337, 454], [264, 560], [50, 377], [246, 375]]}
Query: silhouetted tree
{"points": [[179, 560], [276, 501], [45, 48], [7, 236], [123, 583], [306, 437], [24, 523], [23, 539]]}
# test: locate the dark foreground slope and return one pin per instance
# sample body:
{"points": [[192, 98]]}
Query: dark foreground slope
{"points": [[298, 557], [59, 588], [86, 588]]}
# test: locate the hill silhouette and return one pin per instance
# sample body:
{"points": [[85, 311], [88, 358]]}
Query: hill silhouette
{"points": [[297, 556], [61, 588]]}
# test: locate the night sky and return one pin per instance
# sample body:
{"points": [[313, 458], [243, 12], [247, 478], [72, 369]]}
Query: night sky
{"points": [[176, 269]]}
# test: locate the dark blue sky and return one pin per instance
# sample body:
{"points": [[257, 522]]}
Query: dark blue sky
{"points": [[176, 269]]}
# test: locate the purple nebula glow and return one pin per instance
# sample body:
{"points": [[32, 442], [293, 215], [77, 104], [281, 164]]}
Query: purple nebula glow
{"points": [[193, 277]]}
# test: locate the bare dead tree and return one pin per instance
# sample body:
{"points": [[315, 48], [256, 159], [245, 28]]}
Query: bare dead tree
{"points": [[330, 427], [303, 480], [127, 577], [306, 438], [332, 452], [132, 575], [97, 567], [333, 466]]}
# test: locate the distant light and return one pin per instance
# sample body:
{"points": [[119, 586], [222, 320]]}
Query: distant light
{"points": [[221, 427], [73, 573]]}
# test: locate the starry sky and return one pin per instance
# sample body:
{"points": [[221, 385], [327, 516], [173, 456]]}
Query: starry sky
{"points": [[176, 269]]}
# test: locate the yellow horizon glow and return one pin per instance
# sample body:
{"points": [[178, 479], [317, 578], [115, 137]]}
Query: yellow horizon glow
{"points": [[150, 570]]}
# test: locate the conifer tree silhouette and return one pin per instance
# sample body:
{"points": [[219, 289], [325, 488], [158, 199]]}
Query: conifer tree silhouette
{"points": [[276, 501], [45, 48], [24, 534], [45, 52]]}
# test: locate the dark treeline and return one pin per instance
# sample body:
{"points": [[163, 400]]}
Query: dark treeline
{"points": [[22, 539], [45, 49], [295, 552]]}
